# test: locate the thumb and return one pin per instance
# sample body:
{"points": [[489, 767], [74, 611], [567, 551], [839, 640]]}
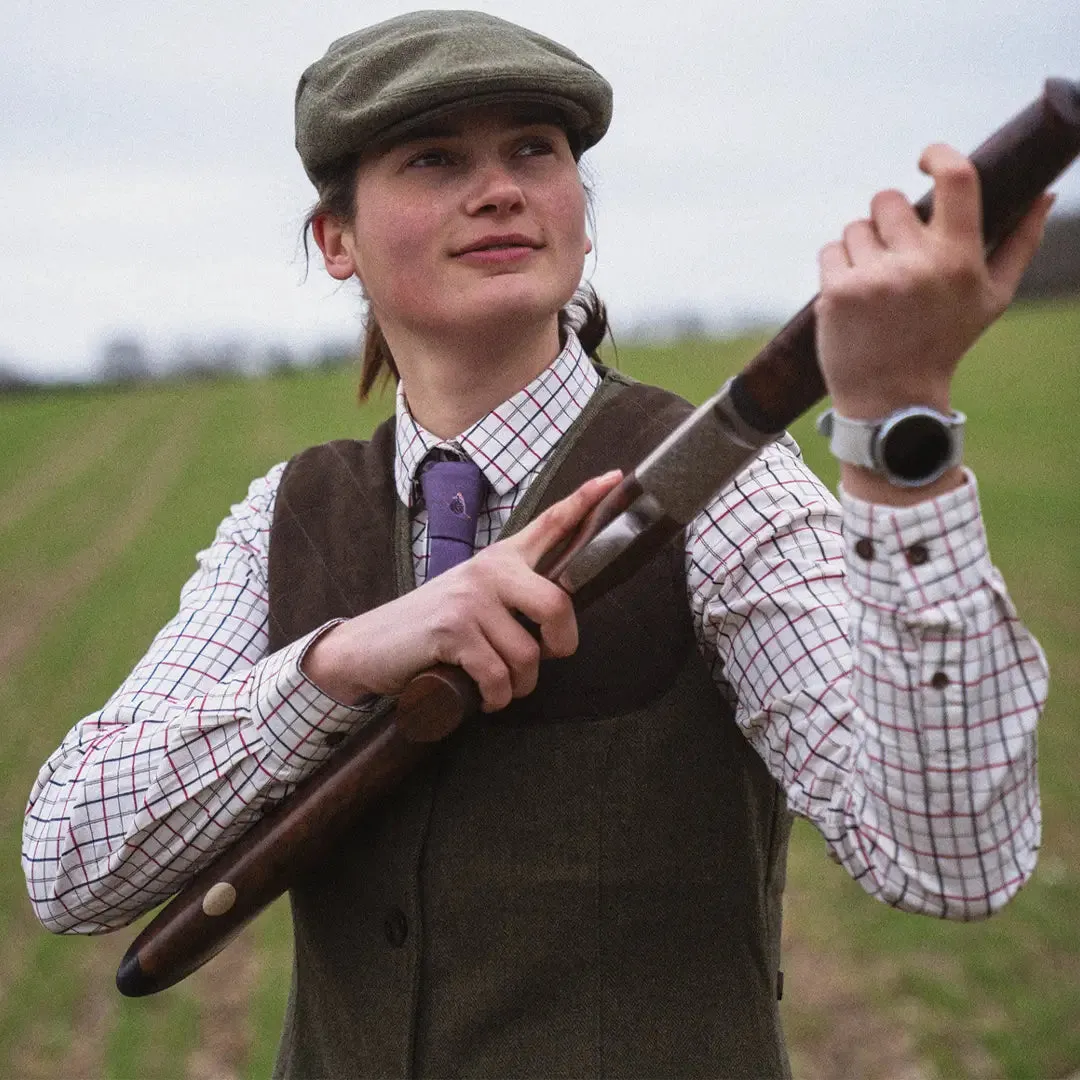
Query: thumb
{"points": [[558, 521], [1008, 263]]}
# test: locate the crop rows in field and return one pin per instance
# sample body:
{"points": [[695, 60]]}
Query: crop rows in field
{"points": [[106, 496]]}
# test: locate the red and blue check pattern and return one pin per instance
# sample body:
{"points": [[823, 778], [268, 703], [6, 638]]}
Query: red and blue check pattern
{"points": [[873, 659]]}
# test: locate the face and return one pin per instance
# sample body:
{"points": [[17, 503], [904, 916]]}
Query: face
{"points": [[476, 221]]}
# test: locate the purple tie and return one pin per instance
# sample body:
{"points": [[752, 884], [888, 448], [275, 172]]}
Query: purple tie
{"points": [[453, 492]]}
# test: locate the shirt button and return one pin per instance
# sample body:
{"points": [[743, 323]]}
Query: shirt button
{"points": [[864, 548], [917, 555], [940, 680], [335, 738], [396, 927]]}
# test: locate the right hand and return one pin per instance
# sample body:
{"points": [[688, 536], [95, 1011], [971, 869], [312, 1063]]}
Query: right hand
{"points": [[465, 617]]}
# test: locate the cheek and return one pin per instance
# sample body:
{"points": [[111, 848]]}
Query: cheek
{"points": [[569, 210], [395, 251]]}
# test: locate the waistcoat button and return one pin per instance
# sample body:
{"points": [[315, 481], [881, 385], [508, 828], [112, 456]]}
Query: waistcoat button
{"points": [[396, 927]]}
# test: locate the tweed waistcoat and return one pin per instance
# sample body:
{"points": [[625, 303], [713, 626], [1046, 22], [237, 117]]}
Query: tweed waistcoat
{"points": [[587, 883]]}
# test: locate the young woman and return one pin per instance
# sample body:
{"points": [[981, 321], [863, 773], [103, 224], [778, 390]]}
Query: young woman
{"points": [[586, 880]]}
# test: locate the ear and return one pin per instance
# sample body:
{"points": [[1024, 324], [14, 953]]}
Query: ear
{"points": [[336, 244], [588, 244]]}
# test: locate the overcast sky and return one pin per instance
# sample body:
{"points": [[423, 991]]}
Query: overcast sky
{"points": [[150, 184]]}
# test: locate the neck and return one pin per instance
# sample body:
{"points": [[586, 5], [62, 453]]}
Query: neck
{"points": [[451, 383]]}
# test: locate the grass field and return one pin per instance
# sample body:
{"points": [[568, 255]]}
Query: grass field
{"points": [[105, 496]]}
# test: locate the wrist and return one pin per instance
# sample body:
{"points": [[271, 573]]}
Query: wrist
{"points": [[876, 406], [869, 486], [329, 663]]}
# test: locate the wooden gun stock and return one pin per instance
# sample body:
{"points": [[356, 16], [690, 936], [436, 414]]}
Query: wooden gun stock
{"points": [[1015, 165]]}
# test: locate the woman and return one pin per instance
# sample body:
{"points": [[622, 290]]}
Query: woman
{"points": [[586, 880]]}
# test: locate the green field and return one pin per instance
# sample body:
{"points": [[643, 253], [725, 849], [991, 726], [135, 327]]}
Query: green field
{"points": [[105, 496]]}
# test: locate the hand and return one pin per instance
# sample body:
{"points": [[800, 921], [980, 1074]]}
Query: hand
{"points": [[902, 301], [465, 617]]}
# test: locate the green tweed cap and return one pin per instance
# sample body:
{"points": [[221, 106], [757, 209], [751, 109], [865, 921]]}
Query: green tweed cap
{"points": [[409, 69]]}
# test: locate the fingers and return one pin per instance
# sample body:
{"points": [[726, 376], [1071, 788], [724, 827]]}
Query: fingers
{"points": [[558, 521], [895, 219], [862, 242], [957, 197], [503, 661], [832, 262], [1011, 259], [892, 225], [475, 622], [501, 655]]}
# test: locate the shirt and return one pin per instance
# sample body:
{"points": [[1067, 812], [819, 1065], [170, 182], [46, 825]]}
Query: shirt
{"points": [[871, 655]]}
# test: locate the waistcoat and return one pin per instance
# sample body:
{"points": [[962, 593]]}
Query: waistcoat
{"points": [[585, 884]]}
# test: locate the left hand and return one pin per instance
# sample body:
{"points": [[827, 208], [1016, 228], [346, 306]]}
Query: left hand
{"points": [[902, 301]]}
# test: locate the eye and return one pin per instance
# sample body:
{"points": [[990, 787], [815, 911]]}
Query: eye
{"points": [[430, 158], [535, 145]]}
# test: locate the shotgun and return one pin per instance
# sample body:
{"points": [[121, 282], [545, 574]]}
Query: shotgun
{"points": [[651, 504]]}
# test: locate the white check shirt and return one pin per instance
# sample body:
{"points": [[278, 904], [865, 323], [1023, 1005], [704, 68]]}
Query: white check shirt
{"points": [[872, 657]]}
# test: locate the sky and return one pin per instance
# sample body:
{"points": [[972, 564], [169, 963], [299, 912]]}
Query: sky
{"points": [[149, 185]]}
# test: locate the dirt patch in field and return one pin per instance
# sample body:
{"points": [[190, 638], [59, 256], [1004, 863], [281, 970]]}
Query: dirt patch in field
{"points": [[38, 1055], [33, 604], [69, 458], [833, 1029], [224, 989]]}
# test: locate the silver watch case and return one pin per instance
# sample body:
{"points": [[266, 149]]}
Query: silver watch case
{"points": [[911, 447]]}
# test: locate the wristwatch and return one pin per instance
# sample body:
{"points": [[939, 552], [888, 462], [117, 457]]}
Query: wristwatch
{"points": [[911, 447]]}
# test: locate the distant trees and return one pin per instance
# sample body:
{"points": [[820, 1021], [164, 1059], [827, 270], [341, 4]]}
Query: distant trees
{"points": [[123, 360], [13, 381], [1055, 270]]}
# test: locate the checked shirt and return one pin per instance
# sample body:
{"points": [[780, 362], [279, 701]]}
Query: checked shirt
{"points": [[871, 654]]}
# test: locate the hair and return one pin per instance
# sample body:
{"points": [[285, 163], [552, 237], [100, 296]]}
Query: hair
{"points": [[585, 314]]}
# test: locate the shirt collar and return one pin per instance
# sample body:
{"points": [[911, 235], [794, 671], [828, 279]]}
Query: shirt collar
{"points": [[515, 437]]}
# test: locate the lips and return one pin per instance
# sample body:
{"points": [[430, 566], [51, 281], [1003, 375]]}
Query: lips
{"points": [[500, 242]]}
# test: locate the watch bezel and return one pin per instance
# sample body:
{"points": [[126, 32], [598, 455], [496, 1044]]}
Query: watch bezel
{"points": [[866, 443], [892, 426]]}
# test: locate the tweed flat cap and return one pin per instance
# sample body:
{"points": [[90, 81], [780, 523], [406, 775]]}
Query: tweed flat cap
{"points": [[388, 77]]}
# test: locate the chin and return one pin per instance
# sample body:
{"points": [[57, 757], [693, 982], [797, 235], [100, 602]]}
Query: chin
{"points": [[512, 305]]}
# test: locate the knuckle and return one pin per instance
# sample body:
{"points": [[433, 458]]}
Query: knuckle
{"points": [[938, 150], [526, 655], [960, 267], [889, 201], [852, 230], [959, 172], [565, 646], [553, 605], [494, 682]]}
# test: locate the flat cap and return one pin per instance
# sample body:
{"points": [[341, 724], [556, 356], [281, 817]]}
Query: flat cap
{"points": [[414, 67]]}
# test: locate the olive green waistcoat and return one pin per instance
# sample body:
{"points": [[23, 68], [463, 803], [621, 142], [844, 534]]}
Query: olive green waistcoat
{"points": [[586, 884]]}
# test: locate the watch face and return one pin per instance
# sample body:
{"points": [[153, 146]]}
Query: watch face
{"points": [[915, 448]]}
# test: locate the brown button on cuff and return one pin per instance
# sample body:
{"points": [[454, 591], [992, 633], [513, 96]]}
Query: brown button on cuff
{"points": [[917, 554], [940, 680], [864, 548]]}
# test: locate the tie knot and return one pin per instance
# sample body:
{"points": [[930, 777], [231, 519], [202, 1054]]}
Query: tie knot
{"points": [[453, 493]]}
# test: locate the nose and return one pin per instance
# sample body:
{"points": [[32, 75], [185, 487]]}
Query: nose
{"points": [[495, 190]]}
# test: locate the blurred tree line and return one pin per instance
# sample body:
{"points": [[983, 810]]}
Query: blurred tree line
{"points": [[1054, 273]]}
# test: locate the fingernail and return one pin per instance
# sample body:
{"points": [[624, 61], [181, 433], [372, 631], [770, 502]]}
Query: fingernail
{"points": [[609, 475]]}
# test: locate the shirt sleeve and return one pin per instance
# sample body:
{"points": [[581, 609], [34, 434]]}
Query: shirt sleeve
{"points": [[205, 734], [875, 661]]}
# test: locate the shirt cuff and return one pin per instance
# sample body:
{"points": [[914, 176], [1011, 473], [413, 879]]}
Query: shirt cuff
{"points": [[925, 554], [300, 723]]}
